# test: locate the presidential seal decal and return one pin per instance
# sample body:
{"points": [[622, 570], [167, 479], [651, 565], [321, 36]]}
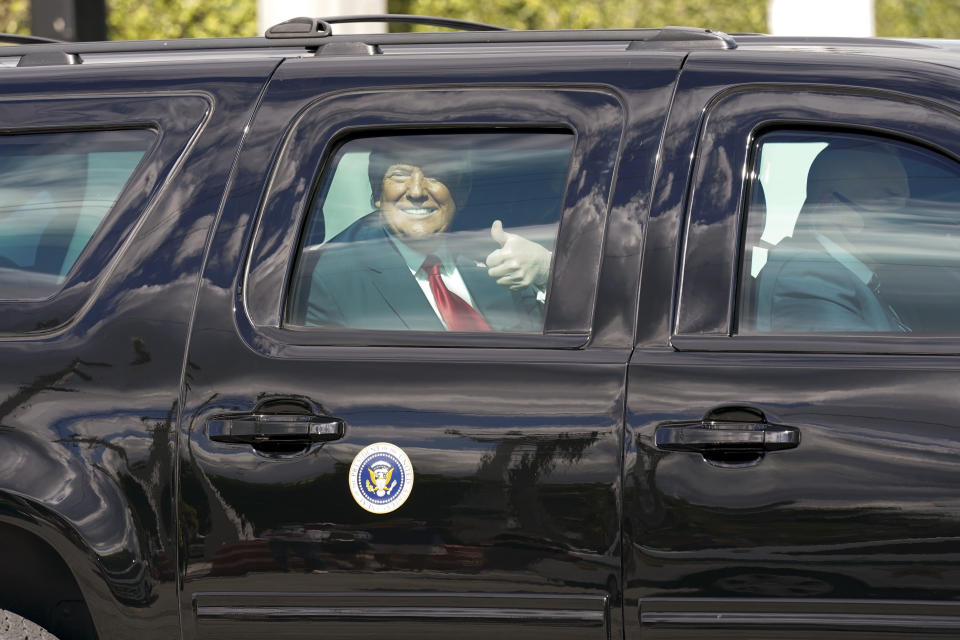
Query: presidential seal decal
{"points": [[381, 477]]}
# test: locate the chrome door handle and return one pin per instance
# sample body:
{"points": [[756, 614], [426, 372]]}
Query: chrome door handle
{"points": [[257, 428], [717, 436]]}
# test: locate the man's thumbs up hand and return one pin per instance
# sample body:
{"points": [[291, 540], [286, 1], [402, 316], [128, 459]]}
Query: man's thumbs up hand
{"points": [[498, 234], [519, 262]]}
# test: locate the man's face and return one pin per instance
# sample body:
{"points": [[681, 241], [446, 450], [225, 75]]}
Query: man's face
{"points": [[870, 192], [413, 204], [856, 189]]}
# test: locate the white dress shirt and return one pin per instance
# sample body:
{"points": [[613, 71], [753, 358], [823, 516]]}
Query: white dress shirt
{"points": [[448, 273]]}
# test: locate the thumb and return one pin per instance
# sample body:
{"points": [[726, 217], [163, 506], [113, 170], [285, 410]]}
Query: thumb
{"points": [[497, 233]]}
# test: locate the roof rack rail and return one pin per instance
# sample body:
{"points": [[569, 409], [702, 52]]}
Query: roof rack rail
{"points": [[313, 35], [432, 21], [320, 27], [16, 38]]}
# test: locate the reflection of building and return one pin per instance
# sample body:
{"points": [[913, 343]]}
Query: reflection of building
{"points": [[295, 548], [850, 18]]}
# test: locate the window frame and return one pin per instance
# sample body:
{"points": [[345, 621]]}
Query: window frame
{"points": [[328, 122], [175, 120], [713, 250]]}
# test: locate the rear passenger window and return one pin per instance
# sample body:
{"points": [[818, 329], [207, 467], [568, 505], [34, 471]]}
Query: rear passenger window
{"points": [[433, 232], [55, 190], [851, 233]]}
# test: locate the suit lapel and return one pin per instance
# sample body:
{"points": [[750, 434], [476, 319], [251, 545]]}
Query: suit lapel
{"points": [[399, 290]]}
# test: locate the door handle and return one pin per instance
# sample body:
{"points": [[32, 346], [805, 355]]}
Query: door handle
{"points": [[717, 436], [260, 429]]}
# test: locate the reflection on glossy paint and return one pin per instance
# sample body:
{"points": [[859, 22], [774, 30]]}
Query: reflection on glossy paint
{"points": [[865, 507], [89, 407]]}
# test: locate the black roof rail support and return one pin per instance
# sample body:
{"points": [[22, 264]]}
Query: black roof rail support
{"points": [[349, 48], [16, 38], [688, 38], [432, 21], [299, 28], [48, 59]]}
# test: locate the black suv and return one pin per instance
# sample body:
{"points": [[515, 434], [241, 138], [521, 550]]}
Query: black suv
{"points": [[574, 334]]}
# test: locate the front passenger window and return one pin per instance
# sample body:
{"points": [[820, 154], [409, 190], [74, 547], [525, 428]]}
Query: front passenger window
{"points": [[851, 233]]}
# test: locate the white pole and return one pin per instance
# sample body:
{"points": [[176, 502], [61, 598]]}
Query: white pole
{"points": [[821, 18], [271, 12]]}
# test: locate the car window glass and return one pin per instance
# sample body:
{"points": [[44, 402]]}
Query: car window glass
{"points": [[851, 233], [433, 232], [55, 190]]}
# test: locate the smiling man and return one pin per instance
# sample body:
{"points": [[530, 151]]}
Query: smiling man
{"points": [[418, 191], [403, 267]]}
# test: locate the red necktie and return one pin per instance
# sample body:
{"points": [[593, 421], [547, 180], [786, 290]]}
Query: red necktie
{"points": [[455, 311]]}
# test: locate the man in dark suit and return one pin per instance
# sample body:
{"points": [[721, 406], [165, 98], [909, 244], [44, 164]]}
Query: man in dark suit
{"points": [[400, 268], [819, 280]]}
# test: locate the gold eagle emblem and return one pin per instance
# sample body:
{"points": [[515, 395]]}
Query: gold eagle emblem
{"points": [[381, 480]]}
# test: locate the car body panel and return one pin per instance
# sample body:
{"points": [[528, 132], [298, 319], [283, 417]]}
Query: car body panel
{"points": [[512, 525]]}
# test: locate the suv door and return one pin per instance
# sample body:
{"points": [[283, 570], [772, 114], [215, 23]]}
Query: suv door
{"points": [[511, 438], [793, 470]]}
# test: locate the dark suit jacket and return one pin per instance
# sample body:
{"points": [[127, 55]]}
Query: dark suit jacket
{"points": [[361, 281], [803, 289]]}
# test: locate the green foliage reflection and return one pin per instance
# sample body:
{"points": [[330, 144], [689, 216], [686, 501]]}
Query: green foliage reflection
{"points": [[149, 19]]}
